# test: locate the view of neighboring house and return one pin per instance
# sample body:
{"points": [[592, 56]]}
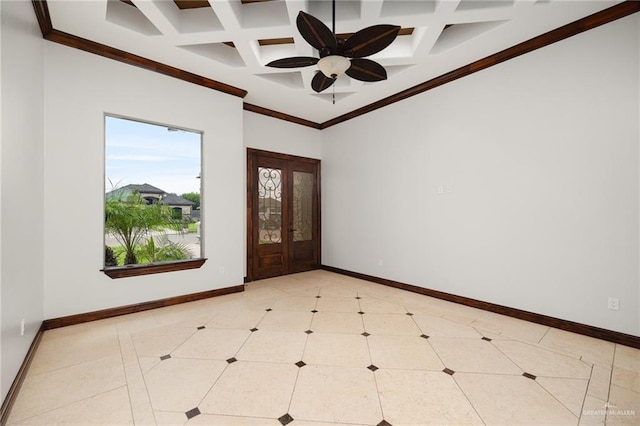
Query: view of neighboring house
{"points": [[154, 195]]}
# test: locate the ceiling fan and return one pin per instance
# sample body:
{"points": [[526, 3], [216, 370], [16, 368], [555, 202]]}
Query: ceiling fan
{"points": [[340, 56]]}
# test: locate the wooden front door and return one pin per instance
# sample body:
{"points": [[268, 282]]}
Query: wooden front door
{"points": [[283, 214]]}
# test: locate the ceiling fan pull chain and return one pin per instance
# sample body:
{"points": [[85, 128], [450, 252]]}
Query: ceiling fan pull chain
{"points": [[334, 94]]}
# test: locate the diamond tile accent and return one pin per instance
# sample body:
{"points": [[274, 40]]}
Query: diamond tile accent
{"points": [[529, 376], [448, 371], [192, 413], [318, 297], [384, 423], [372, 367], [268, 309], [308, 331], [424, 336], [365, 334], [358, 297], [202, 327], [314, 311], [253, 329], [231, 360], [163, 357], [410, 314], [286, 419], [361, 313], [300, 364], [486, 338]]}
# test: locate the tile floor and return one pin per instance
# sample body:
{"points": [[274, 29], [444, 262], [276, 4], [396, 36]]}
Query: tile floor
{"points": [[319, 348]]}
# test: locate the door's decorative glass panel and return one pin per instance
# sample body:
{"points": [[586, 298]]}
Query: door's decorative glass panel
{"points": [[302, 206], [269, 205]]}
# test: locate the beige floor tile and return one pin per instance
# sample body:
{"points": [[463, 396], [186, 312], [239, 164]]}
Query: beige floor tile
{"points": [[263, 293], [570, 392], [105, 371], [334, 291], [626, 379], [295, 303], [229, 318], [180, 384], [67, 346], [589, 349], [338, 304], [305, 423], [135, 322], [309, 291], [273, 346], [404, 352], [460, 313], [423, 398], [379, 306], [599, 382], [542, 362], [336, 394], [628, 358], [138, 395], [472, 356], [390, 324], [286, 321], [161, 340], [187, 314], [209, 343], [108, 408], [252, 389], [208, 419], [512, 400], [623, 407], [593, 411], [148, 363], [440, 327], [511, 327], [169, 418], [291, 284], [347, 350], [337, 322], [55, 389]]}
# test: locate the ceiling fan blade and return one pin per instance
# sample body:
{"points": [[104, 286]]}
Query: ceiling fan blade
{"points": [[370, 40], [366, 70], [294, 62], [321, 82], [316, 34]]}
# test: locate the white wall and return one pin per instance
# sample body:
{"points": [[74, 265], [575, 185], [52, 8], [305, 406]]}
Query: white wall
{"points": [[269, 134], [541, 156], [79, 89], [21, 185]]}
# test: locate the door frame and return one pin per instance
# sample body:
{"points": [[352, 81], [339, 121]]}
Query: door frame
{"points": [[252, 155]]}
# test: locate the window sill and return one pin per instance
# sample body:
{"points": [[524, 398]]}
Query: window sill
{"points": [[154, 268]]}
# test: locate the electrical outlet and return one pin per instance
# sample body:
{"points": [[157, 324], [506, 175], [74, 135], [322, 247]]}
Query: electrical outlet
{"points": [[614, 303], [22, 327]]}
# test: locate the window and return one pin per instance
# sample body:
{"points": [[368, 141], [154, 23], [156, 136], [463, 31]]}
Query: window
{"points": [[152, 198]]}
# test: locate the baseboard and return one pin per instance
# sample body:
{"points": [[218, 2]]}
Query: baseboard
{"points": [[138, 307], [574, 327], [7, 404]]}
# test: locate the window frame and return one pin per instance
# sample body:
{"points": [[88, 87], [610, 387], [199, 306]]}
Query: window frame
{"points": [[115, 272]]}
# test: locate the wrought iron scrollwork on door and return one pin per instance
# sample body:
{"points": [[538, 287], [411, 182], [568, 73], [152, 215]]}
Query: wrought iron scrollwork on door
{"points": [[269, 205]]}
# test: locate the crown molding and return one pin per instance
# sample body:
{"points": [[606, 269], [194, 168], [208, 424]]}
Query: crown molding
{"points": [[51, 34], [590, 22]]}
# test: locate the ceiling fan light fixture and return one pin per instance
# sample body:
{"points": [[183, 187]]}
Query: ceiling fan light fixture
{"points": [[333, 66]]}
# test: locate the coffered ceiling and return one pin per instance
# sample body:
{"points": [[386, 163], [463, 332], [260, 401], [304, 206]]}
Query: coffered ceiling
{"points": [[230, 41]]}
